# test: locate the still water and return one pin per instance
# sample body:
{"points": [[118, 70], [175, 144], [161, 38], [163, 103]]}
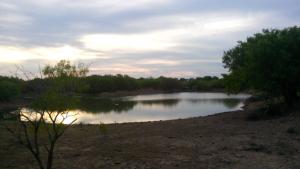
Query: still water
{"points": [[153, 107]]}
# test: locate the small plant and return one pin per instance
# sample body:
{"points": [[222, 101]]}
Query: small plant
{"points": [[37, 133], [103, 128], [291, 130]]}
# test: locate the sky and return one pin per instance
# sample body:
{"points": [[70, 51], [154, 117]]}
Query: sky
{"points": [[141, 38]]}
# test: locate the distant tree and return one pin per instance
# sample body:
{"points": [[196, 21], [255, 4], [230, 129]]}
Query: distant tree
{"points": [[65, 69], [169, 84], [206, 83], [66, 77], [69, 78], [9, 90], [268, 62]]}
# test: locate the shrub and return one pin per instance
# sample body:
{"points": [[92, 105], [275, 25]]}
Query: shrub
{"points": [[269, 112], [8, 90]]}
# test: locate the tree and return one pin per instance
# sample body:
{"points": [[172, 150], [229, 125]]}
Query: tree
{"points": [[64, 69], [268, 62], [8, 90], [10, 87], [65, 77], [39, 128]]}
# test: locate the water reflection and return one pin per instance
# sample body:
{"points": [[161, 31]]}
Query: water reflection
{"points": [[123, 106], [153, 107], [228, 103], [94, 105], [65, 117], [7, 114], [164, 103]]}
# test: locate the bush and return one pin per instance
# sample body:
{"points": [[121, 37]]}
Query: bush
{"points": [[269, 112], [8, 90], [267, 62]]}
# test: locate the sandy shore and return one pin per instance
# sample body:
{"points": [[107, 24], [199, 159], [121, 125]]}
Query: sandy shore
{"points": [[221, 141]]}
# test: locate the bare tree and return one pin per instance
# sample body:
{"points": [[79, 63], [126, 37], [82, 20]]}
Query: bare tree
{"points": [[39, 130]]}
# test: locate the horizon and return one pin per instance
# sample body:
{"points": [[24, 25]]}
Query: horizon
{"points": [[140, 38]]}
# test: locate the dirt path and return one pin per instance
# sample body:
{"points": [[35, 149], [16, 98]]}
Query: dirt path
{"points": [[222, 141]]}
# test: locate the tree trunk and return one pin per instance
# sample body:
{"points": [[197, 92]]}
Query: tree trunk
{"points": [[39, 161], [50, 156]]}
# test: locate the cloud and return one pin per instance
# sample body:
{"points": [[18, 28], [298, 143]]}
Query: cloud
{"points": [[138, 37], [11, 54], [8, 6], [161, 40], [103, 6], [11, 17], [158, 62], [182, 29], [11, 20], [181, 74], [119, 69]]}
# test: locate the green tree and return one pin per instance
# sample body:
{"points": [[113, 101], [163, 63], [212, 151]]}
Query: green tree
{"points": [[9, 90], [65, 69], [66, 77], [268, 62]]}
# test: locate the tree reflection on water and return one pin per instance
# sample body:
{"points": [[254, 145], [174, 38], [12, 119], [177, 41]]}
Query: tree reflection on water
{"points": [[153, 107]]}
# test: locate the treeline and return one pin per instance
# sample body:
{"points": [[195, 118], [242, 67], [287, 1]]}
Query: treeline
{"points": [[96, 84], [10, 87], [66, 78]]}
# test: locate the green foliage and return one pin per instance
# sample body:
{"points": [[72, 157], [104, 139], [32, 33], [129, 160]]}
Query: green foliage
{"points": [[70, 79], [64, 69], [9, 89], [67, 85], [96, 84], [169, 84], [109, 83], [54, 102], [37, 85], [267, 62], [62, 77], [205, 83]]}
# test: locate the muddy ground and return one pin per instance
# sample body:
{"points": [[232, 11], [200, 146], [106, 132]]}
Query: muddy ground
{"points": [[223, 141]]}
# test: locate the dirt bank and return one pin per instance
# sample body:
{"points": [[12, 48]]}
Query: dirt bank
{"points": [[221, 141]]}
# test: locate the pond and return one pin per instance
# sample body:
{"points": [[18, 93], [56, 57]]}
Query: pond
{"points": [[153, 107]]}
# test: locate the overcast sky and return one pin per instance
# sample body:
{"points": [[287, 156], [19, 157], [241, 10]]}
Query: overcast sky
{"points": [[176, 38]]}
